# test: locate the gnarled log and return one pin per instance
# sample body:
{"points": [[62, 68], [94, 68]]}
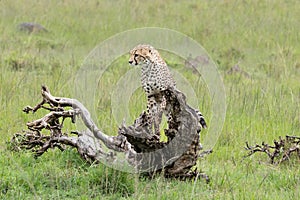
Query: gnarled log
{"points": [[143, 150]]}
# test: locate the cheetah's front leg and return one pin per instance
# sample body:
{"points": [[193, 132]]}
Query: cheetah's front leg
{"points": [[155, 113]]}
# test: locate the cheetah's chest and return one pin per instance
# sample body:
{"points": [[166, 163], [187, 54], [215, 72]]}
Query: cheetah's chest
{"points": [[154, 79]]}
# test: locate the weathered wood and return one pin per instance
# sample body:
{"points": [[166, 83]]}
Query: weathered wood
{"points": [[142, 148], [282, 150]]}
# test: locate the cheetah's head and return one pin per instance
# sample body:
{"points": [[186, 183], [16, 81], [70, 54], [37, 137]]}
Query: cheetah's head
{"points": [[142, 54]]}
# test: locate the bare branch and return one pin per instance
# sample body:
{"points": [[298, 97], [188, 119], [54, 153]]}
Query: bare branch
{"points": [[280, 152]]}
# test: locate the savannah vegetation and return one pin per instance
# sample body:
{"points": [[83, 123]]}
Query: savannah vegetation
{"points": [[263, 103]]}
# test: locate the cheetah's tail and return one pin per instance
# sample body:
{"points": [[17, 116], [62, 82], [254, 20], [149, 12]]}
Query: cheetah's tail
{"points": [[201, 119]]}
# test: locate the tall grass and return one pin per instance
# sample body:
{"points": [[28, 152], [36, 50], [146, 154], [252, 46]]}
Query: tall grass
{"points": [[261, 37]]}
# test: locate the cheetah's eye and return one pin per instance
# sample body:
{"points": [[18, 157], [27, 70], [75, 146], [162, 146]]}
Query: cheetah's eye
{"points": [[136, 55]]}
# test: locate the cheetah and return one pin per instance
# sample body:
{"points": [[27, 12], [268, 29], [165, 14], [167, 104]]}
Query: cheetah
{"points": [[155, 78]]}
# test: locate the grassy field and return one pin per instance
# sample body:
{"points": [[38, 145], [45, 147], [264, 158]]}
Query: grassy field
{"points": [[261, 37]]}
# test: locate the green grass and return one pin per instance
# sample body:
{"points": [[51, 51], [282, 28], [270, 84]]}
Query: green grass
{"points": [[262, 37]]}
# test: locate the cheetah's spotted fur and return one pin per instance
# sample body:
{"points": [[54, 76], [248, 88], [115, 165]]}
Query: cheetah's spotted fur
{"points": [[155, 78]]}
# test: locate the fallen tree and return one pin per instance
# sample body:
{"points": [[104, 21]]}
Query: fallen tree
{"points": [[142, 150], [282, 150]]}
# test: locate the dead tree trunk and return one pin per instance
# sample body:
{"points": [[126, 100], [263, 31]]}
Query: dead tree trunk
{"points": [[142, 150]]}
